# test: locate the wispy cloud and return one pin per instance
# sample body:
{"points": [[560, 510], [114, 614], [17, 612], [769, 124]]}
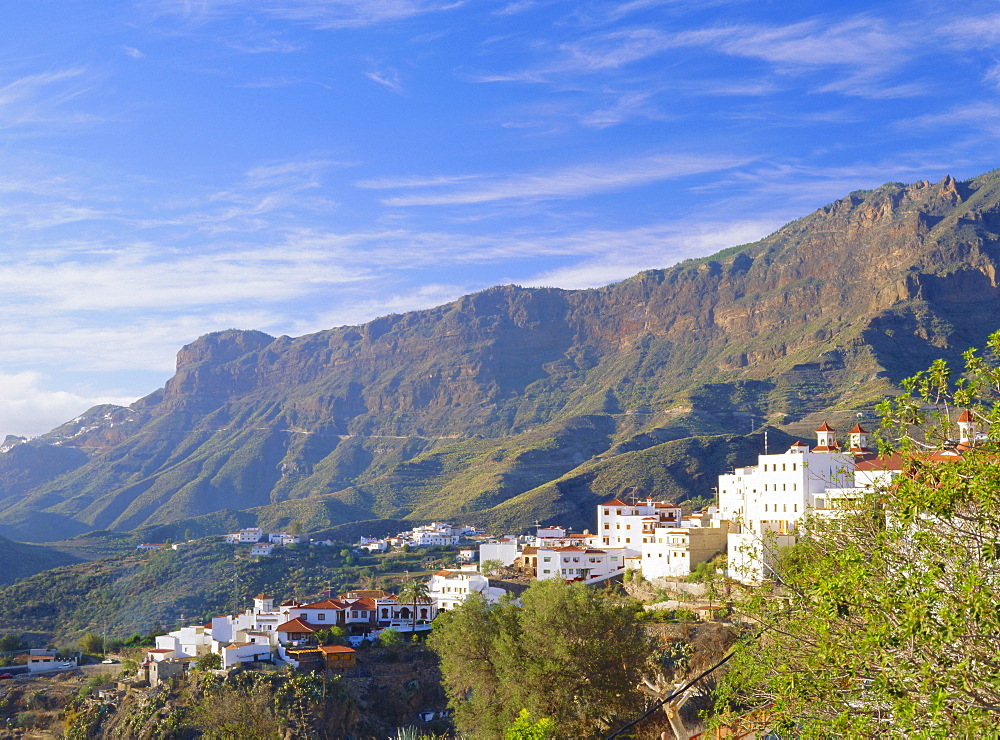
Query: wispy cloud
{"points": [[322, 14], [626, 107], [863, 49], [574, 182], [39, 99], [388, 78], [131, 51]]}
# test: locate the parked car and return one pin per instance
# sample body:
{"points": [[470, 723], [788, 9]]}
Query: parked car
{"points": [[6, 675], [67, 664], [107, 660]]}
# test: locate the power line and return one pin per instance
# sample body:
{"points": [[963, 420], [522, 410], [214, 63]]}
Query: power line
{"points": [[677, 692]]}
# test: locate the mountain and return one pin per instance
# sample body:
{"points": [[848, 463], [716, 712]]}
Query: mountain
{"points": [[504, 406], [21, 560]]}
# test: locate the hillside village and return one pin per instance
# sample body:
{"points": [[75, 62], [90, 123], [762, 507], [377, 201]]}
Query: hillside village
{"points": [[760, 510]]}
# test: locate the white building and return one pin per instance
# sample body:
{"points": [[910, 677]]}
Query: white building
{"points": [[249, 535], [284, 538], [449, 588], [620, 524], [766, 502], [576, 563], [676, 551], [505, 550], [262, 548]]}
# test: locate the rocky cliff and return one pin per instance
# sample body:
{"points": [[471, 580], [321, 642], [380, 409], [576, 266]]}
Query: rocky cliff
{"points": [[460, 408]]}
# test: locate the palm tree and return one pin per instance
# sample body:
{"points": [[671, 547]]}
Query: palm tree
{"points": [[412, 592]]}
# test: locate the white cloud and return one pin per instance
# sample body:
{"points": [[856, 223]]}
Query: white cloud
{"points": [[625, 107], [322, 14], [616, 255], [39, 99], [27, 408], [574, 182], [131, 51], [388, 78]]}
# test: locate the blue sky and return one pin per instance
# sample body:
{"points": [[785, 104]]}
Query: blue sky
{"points": [[171, 167]]}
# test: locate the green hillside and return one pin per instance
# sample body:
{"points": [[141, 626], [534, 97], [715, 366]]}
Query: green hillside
{"points": [[495, 404]]}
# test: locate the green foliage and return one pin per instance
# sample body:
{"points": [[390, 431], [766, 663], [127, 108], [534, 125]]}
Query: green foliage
{"points": [[9, 643], [524, 729], [885, 622], [489, 567], [390, 638], [133, 593], [92, 644], [551, 657], [208, 661], [21, 560]]}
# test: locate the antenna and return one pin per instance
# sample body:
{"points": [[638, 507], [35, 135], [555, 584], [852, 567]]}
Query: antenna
{"points": [[765, 440]]}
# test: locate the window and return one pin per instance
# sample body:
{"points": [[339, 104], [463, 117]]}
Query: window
{"points": [[546, 560], [546, 571], [628, 539], [607, 526], [321, 617]]}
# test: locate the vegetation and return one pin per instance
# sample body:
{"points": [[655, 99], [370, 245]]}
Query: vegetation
{"points": [[413, 592], [145, 593], [884, 621], [208, 661], [551, 657]]}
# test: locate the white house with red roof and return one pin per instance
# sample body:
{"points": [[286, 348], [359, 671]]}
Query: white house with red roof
{"points": [[449, 588], [766, 502], [623, 524], [579, 563]]}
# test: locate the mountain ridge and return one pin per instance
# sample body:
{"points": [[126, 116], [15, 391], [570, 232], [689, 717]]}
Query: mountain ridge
{"points": [[828, 313]]}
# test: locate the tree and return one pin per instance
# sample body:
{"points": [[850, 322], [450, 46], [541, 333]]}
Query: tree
{"points": [[524, 729], [884, 620], [11, 642], [390, 638], [92, 644], [489, 567], [569, 654], [208, 661], [412, 592]]}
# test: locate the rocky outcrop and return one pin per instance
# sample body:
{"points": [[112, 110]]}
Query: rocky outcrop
{"points": [[829, 311]]}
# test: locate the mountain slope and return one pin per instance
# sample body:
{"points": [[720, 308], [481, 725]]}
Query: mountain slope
{"points": [[21, 560], [417, 414]]}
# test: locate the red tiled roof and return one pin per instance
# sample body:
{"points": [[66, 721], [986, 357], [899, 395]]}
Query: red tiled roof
{"points": [[324, 604], [826, 428], [965, 416], [296, 625], [333, 649], [891, 462], [262, 596], [857, 430], [615, 502]]}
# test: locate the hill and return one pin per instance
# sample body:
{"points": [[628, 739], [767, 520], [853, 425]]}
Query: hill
{"points": [[504, 403], [134, 591], [21, 560]]}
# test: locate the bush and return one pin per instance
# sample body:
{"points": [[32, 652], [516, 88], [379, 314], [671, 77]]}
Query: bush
{"points": [[390, 638]]}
